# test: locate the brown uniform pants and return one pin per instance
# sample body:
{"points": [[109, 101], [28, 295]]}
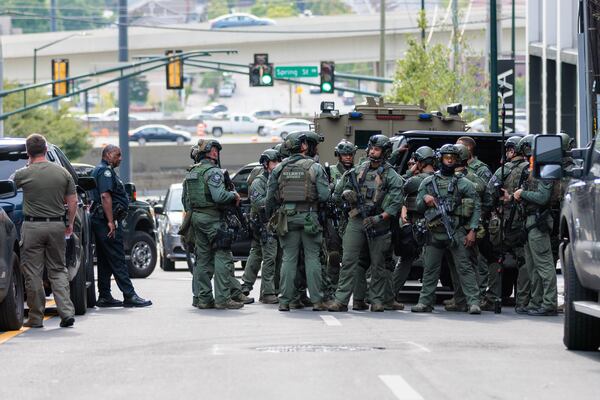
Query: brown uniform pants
{"points": [[43, 245]]}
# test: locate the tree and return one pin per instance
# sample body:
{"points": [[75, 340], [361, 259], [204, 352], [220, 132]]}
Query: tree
{"points": [[138, 89], [58, 127], [274, 8], [426, 74], [216, 8], [326, 7]]}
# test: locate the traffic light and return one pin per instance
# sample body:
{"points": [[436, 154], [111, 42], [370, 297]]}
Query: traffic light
{"points": [[261, 71], [60, 71], [327, 76], [174, 70]]}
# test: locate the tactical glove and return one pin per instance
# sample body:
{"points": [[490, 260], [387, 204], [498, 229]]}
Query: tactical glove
{"points": [[349, 196], [370, 222]]}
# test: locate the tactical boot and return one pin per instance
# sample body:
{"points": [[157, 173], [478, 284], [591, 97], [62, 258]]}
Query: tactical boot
{"points": [[245, 291], [377, 307], [284, 307], [542, 312], [229, 305], [205, 306], [456, 307], [448, 301], [242, 298], [320, 306], [107, 302], [421, 308], [474, 309], [336, 306], [360, 305], [67, 322], [296, 305], [305, 301], [32, 324], [487, 305], [269, 299], [394, 306]]}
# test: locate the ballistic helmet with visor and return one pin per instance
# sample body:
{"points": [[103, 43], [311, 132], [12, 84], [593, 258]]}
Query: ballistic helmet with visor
{"points": [[344, 148], [525, 145], [383, 142]]}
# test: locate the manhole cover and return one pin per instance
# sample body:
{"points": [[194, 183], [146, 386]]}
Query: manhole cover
{"points": [[311, 348]]}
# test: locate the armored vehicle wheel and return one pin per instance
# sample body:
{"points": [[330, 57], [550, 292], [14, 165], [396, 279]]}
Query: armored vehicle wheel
{"points": [[12, 308]]}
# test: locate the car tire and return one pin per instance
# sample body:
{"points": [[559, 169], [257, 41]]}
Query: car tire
{"points": [[141, 141], [90, 282], [142, 255], [190, 258], [283, 135], [166, 264], [217, 132], [78, 287], [12, 308], [581, 331], [261, 131], [180, 140]]}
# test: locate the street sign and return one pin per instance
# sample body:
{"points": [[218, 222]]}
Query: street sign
{"points": [[297, 72]]}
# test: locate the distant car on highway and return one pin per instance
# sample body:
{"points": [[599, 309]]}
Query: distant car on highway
{"points": [[214, 108], [199, 116], [348, 98], [226, 90], [112, 114], [238, 20], [158, 133], [170, 216], [283, 126], [235, 123], [267, 114]]}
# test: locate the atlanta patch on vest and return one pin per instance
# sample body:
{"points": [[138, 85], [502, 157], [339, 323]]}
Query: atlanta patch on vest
{"points": [[107, 173], [216, 178]]}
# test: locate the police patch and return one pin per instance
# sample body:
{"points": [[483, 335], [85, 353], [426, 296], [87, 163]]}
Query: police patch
{"points": [[107, 173], [216, 178]]}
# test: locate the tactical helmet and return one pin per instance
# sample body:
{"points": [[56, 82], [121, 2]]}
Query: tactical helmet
{"points": [[280, 148], [204, 146], [292, 142], [525, 145], [449, 149], [567, 142], [463, 153], [512, 142], [269, 155], [383, 142], [424, 154], [344, 147]]}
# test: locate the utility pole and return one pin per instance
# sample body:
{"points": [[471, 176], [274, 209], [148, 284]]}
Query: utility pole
{"points": [[512, 32], [423, 27], [455, 34], [382, 43], [124, 96], [493, 68], [53, 15], [1, 86]]}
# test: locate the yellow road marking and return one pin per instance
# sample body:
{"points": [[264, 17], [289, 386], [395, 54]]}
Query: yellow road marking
{"points": [[6, 336]]}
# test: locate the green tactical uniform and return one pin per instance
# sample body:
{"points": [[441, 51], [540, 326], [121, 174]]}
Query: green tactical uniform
{"points": [[296, 187], [515, 170], [264, 245], [203, 192], [538, 253], [334, 237], [381, 189], [465, 207]]}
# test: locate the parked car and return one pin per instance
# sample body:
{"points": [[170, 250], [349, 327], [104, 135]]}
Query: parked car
{"points": [[282, 127], [579, 229], [12, 308], [79, 251], [170, 216], [267, 114], [199, 117], [226, 90], [112, 114], [239, 19], [158, 133], [235, 123], [213, 108], [139, 233]]}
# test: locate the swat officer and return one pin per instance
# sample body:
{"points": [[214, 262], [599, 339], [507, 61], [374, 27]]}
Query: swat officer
{"points": [[205, 196], [509, 245], [424, 160], [109, 209], [295, 189], [264, 243], [374, 191], [452, 208], [535, 196]]}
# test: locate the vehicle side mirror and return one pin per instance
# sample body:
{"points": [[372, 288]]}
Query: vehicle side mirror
{"points": [[159, 209], [131, 191], [547, 157], [8, 189], [86, 182]]}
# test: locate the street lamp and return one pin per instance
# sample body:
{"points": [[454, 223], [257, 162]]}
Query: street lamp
{"points": [[35, 50]]}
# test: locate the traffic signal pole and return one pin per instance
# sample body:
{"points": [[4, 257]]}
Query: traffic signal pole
{"points": [[493, 68], [125, 169]]}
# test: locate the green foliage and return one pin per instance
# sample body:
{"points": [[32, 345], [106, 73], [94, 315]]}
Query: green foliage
{"points": [[326, 7], [520, 92], [138, 89], [172, 104], [210, 79], [216, 8], [274, 8], [58, 127], [426, 74]]}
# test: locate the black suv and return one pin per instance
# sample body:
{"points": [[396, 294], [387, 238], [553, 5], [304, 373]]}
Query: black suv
{"points": [[139, 232], [79, 247], [580, 236]]}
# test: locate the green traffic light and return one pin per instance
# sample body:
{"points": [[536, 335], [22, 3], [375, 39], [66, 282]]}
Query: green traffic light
{"points": [[326, 87], [267, 79]]}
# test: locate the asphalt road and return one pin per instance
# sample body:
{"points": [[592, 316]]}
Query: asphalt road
{"points": [[173, 351]]}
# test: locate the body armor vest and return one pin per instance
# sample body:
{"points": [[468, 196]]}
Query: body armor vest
{"points": [[296, 182], [411, 197], [198, 193], [263, 178], [372, 182]]}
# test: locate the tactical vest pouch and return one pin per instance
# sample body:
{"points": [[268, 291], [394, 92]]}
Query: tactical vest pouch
{"points": [[411, 203], [185, 229], [494, 230], [279, 223], [466, 208], [311, 224], [223, 238], [433, 219]]}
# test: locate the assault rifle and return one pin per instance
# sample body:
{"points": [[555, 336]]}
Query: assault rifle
{"points": [[513, 203], [362, 208], [442, 210], [235, 219]]}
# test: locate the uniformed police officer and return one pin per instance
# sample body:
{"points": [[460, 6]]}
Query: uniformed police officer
{"points": [[374, 191], [109, 209], [535, 196], [295, 189], [452, 208], [264, 244], [205, 196]]}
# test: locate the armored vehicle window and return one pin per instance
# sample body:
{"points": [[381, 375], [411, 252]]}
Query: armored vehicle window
{"points": [[361, 138]]}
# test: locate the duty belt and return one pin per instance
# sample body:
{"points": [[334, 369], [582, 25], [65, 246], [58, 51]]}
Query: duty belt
{"points": [[44, 219], [305, 207]]}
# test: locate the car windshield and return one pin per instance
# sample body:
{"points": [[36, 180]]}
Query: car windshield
{"points": [[8, 167], [175, 203]]}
